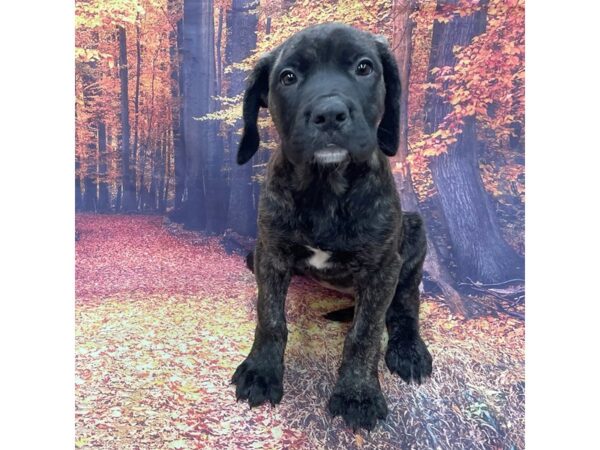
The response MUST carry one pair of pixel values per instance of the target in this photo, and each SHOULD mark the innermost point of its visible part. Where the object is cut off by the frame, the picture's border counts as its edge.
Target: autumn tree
(90, 93)
(402, 45)
(125, 163)
(478, 247)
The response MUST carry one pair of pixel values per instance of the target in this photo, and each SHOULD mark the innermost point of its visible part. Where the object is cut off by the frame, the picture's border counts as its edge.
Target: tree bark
(136, 100)
(78, 194)
(103, 194)
(177, 114)
(478, 247)
(219, 58)
(90, 195)
(197, 16)
(90, 96)
(402, 45)
(128, 183)
(213, 149)
(154, 168)
(150, 141)
(118, 198)
(165, 193)
(160, 173)
(241, 24)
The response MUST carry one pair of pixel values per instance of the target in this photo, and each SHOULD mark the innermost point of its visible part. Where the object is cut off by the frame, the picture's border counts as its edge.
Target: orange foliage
(97, 76)
(486, 82)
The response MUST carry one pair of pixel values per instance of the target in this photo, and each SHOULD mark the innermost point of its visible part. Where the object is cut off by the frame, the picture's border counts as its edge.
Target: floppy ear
(257, 89)
(388, 133)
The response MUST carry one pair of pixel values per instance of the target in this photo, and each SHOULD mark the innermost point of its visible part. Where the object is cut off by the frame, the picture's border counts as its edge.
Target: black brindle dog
(329, 209)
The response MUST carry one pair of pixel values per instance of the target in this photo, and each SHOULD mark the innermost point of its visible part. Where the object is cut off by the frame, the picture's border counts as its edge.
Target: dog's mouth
(332, 154)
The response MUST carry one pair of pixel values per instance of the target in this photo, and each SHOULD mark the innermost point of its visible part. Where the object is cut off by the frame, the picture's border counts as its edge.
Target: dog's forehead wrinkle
(322, 44)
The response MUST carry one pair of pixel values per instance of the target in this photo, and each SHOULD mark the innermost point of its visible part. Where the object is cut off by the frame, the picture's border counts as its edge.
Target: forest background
(158, 105)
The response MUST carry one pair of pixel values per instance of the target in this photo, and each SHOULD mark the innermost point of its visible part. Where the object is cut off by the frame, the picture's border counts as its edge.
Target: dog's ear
(388, 133)
(257, 90)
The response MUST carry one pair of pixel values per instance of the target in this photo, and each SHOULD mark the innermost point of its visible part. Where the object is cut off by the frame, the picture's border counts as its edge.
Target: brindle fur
(349, 209)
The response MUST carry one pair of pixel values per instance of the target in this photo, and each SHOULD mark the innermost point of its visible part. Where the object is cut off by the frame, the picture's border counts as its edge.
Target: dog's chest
(329, 268)
(319, 259)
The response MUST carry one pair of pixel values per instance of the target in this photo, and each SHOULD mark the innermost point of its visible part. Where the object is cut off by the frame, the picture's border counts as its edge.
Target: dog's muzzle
(332, 154)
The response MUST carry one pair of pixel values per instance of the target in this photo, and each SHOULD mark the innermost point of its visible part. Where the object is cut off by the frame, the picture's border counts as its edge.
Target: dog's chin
(331, 155)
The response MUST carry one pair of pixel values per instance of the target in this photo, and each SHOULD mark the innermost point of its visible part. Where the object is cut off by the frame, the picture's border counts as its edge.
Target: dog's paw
(258, 382)
(409, 359)
(360, 404)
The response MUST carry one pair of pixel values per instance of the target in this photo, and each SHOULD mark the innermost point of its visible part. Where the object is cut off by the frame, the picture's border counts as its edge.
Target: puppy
(329, 209)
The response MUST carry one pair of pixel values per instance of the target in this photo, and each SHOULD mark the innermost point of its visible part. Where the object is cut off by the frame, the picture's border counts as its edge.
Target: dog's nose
(330, 113)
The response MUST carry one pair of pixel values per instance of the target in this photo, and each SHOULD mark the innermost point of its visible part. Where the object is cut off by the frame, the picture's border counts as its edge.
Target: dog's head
(333, 93)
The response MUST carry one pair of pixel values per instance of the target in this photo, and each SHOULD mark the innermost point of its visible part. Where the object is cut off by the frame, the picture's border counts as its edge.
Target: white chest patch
(319, 259)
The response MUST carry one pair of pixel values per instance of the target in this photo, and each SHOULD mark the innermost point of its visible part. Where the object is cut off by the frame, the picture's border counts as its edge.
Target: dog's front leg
(357, 396)
(260, 377)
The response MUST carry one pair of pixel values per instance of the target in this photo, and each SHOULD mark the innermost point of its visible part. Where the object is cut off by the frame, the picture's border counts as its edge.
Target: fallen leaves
(154, 357)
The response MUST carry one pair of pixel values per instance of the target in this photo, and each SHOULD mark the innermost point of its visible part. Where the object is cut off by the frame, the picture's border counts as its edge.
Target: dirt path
(163, 320)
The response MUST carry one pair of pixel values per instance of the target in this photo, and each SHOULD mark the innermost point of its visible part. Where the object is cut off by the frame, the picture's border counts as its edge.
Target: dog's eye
(364, 68)
(287, 77)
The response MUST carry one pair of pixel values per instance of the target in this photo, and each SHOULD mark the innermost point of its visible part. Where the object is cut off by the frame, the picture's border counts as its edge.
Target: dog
(329, 209)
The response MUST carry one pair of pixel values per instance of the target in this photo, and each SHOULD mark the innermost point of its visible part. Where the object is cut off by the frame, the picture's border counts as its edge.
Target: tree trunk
(402, 45)
(160, 173)
(78, 195)
(176, 54)
(219, 59)
(478, 247)
(241, 25)
(136, 100)
(197, 47)
(165, 194)
(90, 94)
(90, 195)
(110, 137)
(128, 183)
(142, 185)
(151, 201)
(103, 194)
(146, 148)
(213, 149)
(118, 198)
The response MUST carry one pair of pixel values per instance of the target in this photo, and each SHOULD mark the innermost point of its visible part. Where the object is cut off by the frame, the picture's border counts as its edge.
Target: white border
(562, 173)
(36, 320)
(37, 225)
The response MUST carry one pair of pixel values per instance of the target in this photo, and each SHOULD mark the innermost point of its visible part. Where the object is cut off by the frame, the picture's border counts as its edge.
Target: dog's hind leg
(407, 354)
(250, 261)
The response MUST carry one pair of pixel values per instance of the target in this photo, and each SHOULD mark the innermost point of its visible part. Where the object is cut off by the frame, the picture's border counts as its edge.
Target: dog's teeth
(331, 154)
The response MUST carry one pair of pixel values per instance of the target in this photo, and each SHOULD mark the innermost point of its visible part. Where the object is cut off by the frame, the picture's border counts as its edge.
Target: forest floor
(164, 318)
